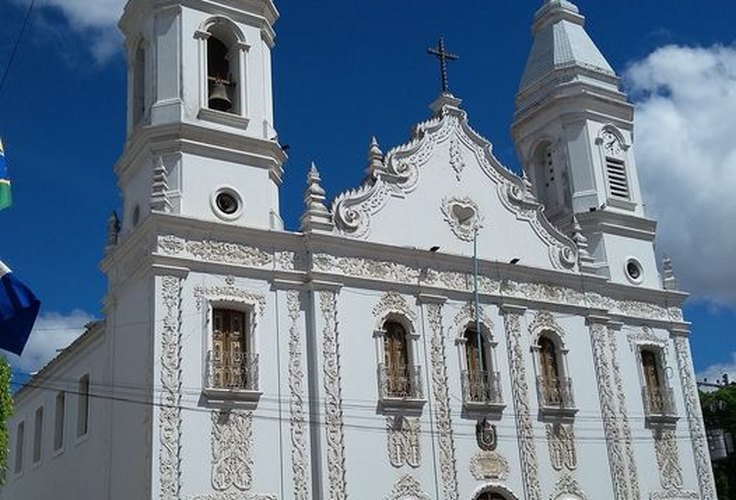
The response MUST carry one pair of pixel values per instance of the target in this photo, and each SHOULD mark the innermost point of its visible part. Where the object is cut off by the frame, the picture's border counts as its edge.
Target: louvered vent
(617, 181)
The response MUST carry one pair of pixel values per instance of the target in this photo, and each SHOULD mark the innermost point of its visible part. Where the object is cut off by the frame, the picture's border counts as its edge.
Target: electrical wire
(14, 51)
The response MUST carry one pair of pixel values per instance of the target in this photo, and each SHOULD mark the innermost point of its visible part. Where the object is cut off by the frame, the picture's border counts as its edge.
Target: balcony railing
(555, 394)
(400, 383)
(232, 372)
(659, 402)
(481, 388)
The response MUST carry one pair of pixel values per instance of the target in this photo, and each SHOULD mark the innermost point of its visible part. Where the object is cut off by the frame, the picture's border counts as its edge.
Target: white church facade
(446, 330)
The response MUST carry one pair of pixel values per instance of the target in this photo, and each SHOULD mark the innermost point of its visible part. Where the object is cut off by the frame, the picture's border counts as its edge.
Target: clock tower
(573, 129)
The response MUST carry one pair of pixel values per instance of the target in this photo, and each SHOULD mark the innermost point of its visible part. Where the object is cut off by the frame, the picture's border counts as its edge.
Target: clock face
(611, 144)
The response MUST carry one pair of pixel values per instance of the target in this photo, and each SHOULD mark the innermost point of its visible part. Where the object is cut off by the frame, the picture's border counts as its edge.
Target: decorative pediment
(392, 303)
(408, 488)
(448, 140)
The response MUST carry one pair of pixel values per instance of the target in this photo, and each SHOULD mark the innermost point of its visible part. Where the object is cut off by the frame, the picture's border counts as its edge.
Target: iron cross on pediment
(443, 56)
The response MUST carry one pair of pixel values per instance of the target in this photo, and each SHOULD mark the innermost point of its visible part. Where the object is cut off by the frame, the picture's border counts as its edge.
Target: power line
(17, 44)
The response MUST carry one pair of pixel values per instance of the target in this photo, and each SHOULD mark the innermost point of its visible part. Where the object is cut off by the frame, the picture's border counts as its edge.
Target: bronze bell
(219, 99)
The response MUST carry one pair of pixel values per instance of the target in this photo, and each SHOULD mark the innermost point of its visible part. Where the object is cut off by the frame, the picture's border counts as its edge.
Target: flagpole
(477, 301)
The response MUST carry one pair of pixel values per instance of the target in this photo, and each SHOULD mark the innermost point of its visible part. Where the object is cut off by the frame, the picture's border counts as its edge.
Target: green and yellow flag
(5, 199)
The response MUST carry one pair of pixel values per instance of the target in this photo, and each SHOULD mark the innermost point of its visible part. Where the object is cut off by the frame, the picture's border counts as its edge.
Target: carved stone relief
(628, 440)
(520, 390)
(463, 216)
(366, 268)
(407, 488)
(299, 454)
(333, 398)
(599, 340)
(668, 458)
(403, 441)
(695, 419)
(232, 445)
(456, 158)
(215, 251)
(234, 496)
(561, 441)
(489, 465)
(466, 316)
(170, 407)
(229, 293)
(393, 302)
(647, 337)
(448, 466)
(567, 485)
(544, 321)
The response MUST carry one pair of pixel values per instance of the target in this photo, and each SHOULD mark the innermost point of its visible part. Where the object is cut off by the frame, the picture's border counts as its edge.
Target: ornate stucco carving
(695, 419)
(488, 465)
(366, 268)
(170, 407)
(463, 216)
(232, 445)
(616, 460)
(647, 337)
(544, 321)
(333, 398)
(561, 442)
(675, 495)
(628, 440)
(520, 391)
(234, 496)
(214, 251)
(401, 174)
(299, 454)
(466, 316)
(408, 488)
(456, 158)
(393, 303)
(403, 441)
(229, 293)
(567, 485)
(448, 465)
(668, 458)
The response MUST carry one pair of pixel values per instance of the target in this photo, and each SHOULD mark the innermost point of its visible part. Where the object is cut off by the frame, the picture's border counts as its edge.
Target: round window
(227, 203)
(634, 271)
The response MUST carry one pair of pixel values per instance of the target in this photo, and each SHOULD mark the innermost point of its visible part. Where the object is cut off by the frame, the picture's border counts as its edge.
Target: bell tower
(201, 139)
(573, 130)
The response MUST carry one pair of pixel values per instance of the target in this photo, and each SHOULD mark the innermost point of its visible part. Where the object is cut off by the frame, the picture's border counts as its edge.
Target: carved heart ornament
(463, 217)
(463, 214)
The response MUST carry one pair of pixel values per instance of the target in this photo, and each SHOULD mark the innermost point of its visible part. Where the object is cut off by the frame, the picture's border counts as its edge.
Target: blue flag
(18, 311)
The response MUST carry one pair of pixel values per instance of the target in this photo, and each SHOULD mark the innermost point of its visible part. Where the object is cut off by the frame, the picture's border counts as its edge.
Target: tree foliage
(6, 410)
(719, 412)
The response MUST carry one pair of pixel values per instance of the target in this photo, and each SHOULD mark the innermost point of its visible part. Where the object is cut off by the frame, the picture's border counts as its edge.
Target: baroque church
(516, 341)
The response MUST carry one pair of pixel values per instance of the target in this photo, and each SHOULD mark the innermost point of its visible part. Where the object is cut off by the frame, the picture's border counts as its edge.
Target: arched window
(221, 83)
(658, 398)
(232, 365)
(489, 495)
(554, 388)
(138, 100)
(481, 384)
(396, 360)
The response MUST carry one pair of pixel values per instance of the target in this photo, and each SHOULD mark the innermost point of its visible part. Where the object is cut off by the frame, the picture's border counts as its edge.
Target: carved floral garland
(623, 412)
(520, 390)
(299, 461)
(215, 251)
(403, 441)
(695, 419)
(599, 337)
(232, 445)
(333, 398)
(408, 488)
(561, 442)
(170, 411)
(448, 467)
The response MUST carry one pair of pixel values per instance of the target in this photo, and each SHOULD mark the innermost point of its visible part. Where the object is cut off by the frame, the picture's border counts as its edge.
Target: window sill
(558, 411)
(223, 118)
(215, 395)
(662, 419)
(82, 439)
(484, 406)
(401, 403)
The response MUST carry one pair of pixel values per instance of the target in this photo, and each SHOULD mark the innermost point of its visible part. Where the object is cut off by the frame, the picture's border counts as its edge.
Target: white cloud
(51, 333)
(714, 373)
(96, 20)
(686, 154)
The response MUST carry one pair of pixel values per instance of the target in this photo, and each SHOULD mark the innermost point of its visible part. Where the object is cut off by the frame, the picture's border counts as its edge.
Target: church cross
(443, 56)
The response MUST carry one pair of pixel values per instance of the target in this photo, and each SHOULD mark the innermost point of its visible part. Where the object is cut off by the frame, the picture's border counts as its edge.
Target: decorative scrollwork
(232, 444)
(403, 441)
(299, 454)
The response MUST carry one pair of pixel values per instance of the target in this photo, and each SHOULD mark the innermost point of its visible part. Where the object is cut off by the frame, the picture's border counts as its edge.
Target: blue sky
(343, 71)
